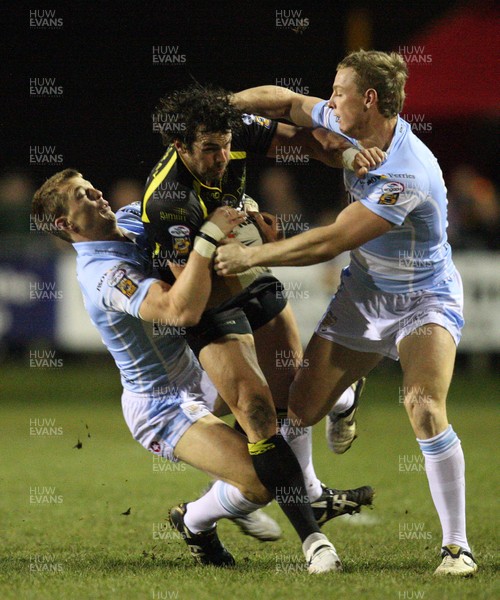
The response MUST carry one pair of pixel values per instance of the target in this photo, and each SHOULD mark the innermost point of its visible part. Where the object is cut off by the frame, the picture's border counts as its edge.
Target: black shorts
(255, 306)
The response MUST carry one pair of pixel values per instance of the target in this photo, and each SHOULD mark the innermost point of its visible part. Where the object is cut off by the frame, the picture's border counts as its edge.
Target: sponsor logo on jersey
(262, 121)
(373, 179)
(181, 242)
(181, 245)
(118, 279)
(126, 286)
(388, 199)
(393, 187)
(115, 276)
(100, 282)
(401, 175)
(174, 214)
(179, 231)
(248, 119)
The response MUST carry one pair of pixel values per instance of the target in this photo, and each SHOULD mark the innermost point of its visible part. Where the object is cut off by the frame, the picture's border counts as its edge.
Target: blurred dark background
(102, 58)
(80, 83)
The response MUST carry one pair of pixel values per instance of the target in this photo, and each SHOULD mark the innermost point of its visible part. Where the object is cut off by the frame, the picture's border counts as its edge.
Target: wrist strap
(348, 158)
(207, 237)
(212, 230)
(204, 247)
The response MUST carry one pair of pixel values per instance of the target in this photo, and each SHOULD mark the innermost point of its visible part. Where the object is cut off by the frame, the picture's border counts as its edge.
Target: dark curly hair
(182, 113)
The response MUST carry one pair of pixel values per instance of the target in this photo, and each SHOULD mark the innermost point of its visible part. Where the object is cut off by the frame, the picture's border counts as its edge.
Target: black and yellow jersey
(176, 202)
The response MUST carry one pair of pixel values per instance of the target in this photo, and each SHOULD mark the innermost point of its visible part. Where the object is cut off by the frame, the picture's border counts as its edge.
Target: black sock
(279, 471)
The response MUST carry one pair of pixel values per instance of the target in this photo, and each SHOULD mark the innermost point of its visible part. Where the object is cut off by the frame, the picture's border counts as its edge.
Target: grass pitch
(83, 506)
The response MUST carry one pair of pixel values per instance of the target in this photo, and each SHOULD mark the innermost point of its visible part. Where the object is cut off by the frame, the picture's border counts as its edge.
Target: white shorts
(158, 422)
(366, 320)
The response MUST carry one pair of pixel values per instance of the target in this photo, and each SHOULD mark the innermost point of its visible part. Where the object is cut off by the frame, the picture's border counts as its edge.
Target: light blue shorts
(158, 422)
(366, 320)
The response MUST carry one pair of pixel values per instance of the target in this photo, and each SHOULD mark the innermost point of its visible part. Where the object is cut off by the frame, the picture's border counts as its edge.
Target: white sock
(344, 402)
(445, 468)
(222, 500)
(300, 441)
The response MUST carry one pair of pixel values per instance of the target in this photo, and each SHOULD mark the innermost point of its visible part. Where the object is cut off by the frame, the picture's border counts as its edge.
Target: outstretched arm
(277, 103)
(354, 226)
(325, 146)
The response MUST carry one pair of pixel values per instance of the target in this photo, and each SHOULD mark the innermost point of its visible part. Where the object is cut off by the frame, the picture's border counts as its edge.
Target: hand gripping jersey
(153, 358)
(176, 202)
(407, 190)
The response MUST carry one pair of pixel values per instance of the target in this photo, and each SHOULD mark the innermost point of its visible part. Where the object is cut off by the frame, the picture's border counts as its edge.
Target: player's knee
(423, 405)
(419, 396)
(250, 391)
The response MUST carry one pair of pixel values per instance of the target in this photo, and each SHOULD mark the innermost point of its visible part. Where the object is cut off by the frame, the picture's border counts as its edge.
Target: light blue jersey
(153, 358)
(129, 218)
(408, 190)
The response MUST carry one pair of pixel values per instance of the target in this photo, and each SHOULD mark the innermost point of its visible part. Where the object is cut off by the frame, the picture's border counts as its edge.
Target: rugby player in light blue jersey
(167, 398)
(401, 295)
(164, 387)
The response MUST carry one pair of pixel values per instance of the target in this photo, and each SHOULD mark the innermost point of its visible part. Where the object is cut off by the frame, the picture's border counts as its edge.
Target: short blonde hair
(384, 72)
(50, 202)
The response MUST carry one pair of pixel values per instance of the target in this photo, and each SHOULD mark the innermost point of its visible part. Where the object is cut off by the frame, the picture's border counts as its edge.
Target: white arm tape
(348, 158)
(203, 247)
(213, 231)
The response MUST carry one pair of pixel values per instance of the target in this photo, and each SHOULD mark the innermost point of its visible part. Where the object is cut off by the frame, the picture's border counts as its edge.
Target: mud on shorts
(254, 307)
(367, 320)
